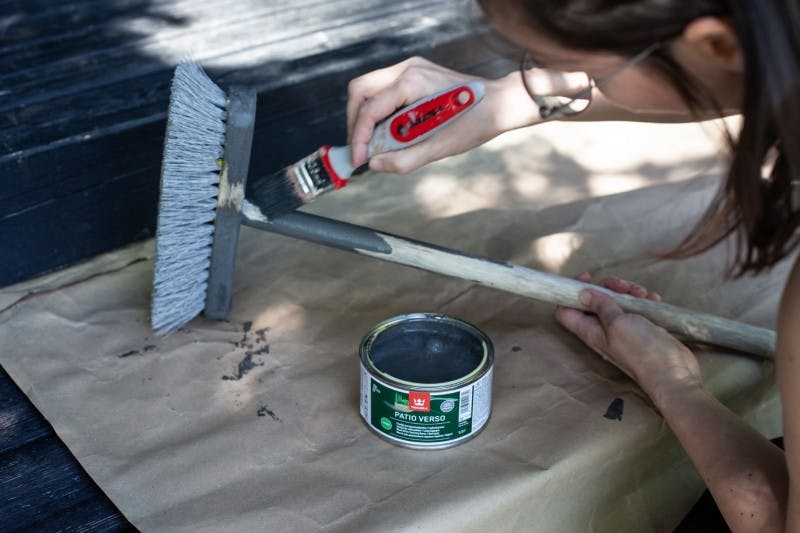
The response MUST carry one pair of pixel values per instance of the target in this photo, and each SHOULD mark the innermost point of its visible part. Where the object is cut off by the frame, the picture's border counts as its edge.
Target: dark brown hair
(761, 211)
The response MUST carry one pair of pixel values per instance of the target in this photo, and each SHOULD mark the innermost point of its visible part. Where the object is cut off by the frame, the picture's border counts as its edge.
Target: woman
(669, 61)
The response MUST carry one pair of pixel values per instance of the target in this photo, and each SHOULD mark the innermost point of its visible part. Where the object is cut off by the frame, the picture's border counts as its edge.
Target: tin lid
(427, 350)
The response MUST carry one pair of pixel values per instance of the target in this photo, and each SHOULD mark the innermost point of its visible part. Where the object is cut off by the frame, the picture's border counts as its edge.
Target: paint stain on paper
(246, 327)
(245, 365)
(254, 344)
(142, 351)
(614, 411)
(266, 411)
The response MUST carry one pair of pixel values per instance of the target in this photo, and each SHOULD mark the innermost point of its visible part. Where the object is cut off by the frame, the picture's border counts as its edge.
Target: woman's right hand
(376, 95)
(505, 106)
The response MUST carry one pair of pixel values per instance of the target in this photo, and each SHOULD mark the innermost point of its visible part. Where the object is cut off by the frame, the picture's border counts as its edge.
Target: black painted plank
(284, 30)
(38, 26)
(66, 203)
(42, 486)
(84, 87)
(20, 424)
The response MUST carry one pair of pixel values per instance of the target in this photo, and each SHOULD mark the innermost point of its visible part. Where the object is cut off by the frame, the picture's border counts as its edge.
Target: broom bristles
(187, 205)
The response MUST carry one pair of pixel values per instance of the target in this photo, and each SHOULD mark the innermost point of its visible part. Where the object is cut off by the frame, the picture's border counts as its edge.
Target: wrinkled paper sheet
(253, 423)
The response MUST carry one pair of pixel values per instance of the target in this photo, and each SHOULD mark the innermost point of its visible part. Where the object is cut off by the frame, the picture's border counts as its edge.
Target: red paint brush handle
(407, 127)
(418, 121)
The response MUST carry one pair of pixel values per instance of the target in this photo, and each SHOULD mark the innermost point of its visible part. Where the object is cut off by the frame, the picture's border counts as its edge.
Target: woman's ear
(714, 39)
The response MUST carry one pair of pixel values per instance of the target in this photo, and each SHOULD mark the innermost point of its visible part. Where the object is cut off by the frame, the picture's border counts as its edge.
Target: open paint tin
(426, 380)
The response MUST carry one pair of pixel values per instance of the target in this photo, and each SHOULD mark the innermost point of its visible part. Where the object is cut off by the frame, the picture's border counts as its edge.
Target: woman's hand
(376, 95)
(506, 106)
(646, 352)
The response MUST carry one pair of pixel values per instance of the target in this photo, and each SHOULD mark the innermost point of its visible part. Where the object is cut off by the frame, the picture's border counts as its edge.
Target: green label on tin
(420, 417)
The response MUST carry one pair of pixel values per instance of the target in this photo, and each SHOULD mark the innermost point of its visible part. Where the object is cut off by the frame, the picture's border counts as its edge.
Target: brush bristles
(292, 187)
(188, 202)
(277, 194)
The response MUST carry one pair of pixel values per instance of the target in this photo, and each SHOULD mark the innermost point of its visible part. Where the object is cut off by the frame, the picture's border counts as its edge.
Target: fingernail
(585, 297)
(377, 165)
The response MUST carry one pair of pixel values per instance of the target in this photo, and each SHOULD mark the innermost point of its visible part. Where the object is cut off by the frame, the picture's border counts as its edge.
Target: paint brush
(329, 168)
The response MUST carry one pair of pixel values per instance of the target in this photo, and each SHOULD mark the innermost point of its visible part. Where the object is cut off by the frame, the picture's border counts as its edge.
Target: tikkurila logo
(419, 401)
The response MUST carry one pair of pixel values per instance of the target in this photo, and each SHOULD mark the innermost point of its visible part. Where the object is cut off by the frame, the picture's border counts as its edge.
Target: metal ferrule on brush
(326, 169)
(308, 175)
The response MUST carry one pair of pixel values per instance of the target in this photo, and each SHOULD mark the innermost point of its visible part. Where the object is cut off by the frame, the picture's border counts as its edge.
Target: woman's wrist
(669, 391)
(510, 104)
(666, 371)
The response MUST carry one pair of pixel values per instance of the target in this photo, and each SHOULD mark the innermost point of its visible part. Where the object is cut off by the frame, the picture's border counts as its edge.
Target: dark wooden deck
(84, 87)
(42, 486)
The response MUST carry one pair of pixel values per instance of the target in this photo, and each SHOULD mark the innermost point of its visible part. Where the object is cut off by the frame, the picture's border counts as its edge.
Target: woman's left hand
(646, 352)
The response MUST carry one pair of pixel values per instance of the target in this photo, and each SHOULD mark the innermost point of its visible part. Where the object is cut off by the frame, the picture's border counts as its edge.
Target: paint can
(426, 380)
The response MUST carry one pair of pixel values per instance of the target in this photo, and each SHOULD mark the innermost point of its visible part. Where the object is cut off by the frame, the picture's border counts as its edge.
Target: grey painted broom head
(188, 202)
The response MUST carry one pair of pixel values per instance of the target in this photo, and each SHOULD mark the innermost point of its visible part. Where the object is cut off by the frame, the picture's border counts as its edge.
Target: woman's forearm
(744, 471)
(602, 109)
(514, 108)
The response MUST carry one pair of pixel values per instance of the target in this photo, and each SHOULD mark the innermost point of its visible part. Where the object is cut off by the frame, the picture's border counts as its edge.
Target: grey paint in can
(426, 380)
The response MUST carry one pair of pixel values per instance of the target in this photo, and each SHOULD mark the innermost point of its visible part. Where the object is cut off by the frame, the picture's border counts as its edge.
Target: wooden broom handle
(691, 325)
